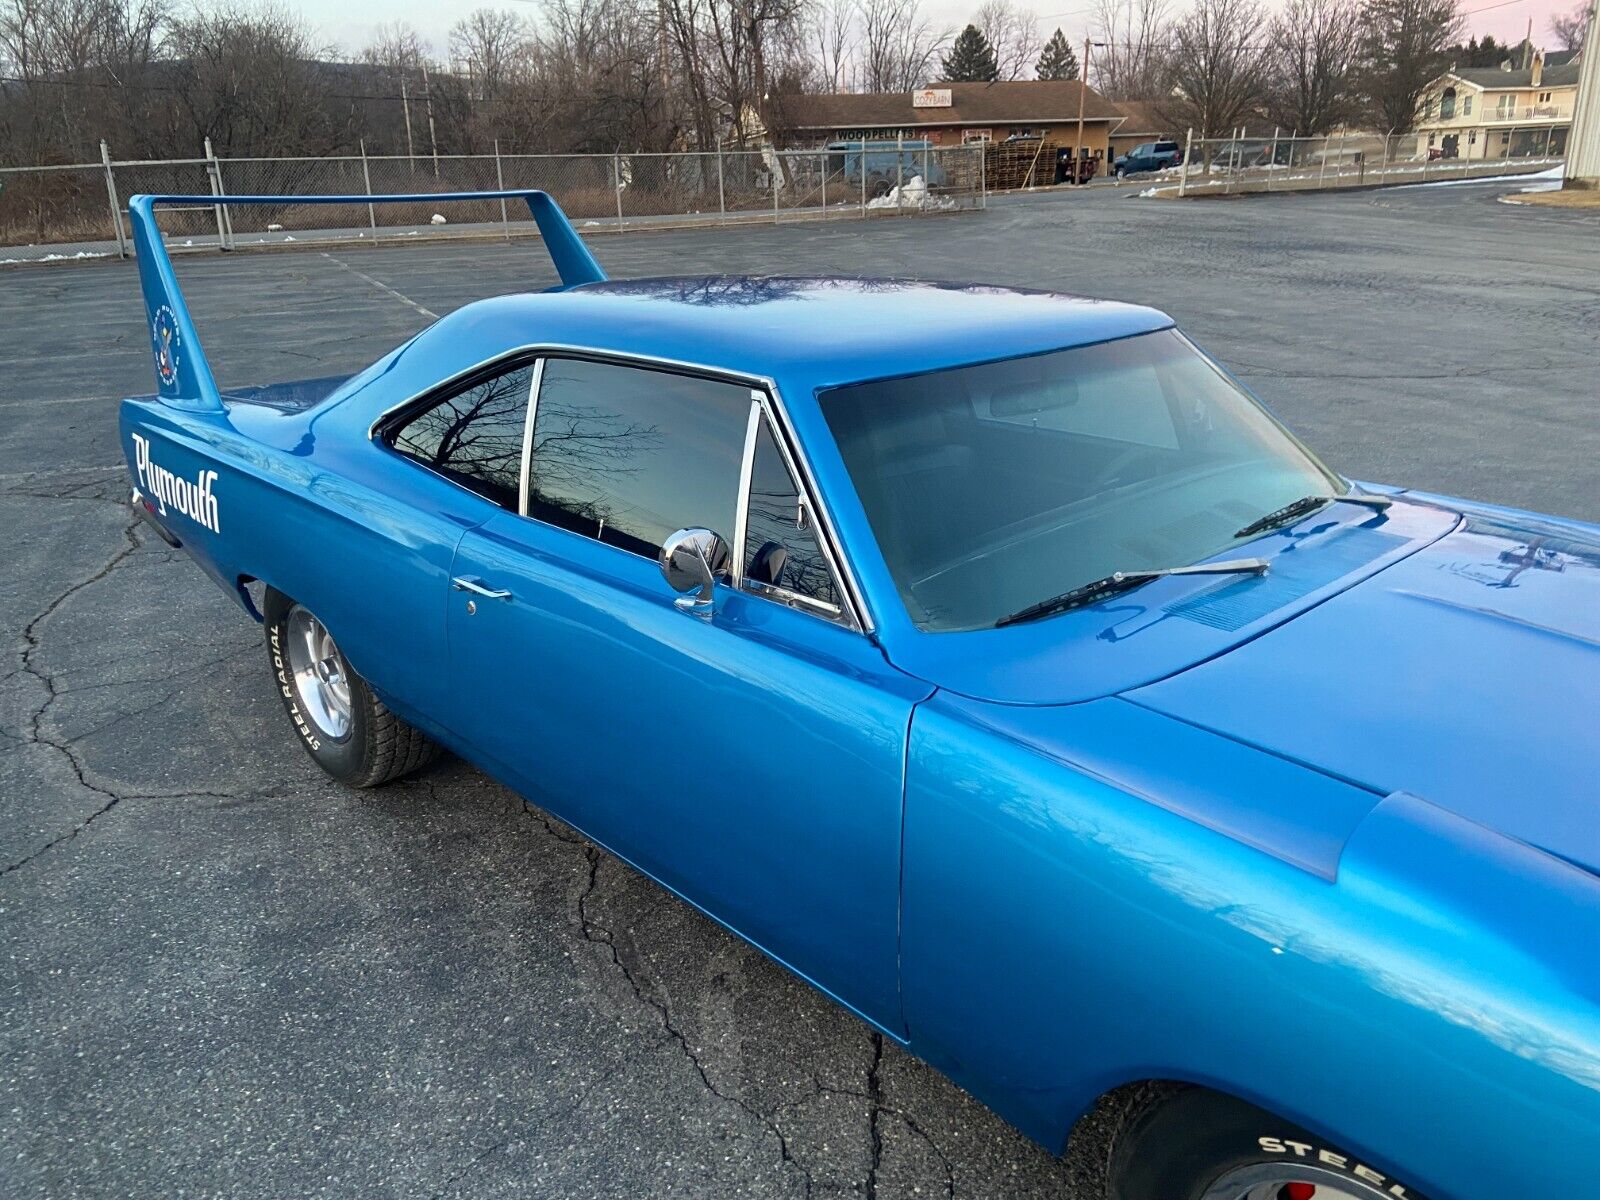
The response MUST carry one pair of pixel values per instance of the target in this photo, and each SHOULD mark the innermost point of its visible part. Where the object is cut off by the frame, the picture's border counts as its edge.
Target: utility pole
(433, 134)
(1583, 140)
(405, 104)
(1083, 86)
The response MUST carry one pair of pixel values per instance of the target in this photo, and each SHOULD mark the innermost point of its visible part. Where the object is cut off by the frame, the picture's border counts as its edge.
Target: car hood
(1467, 673)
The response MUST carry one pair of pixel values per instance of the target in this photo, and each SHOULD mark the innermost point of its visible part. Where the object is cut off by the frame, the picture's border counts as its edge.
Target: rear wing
(183, 377)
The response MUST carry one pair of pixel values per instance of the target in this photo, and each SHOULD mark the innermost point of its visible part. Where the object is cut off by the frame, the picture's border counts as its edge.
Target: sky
(355, 21)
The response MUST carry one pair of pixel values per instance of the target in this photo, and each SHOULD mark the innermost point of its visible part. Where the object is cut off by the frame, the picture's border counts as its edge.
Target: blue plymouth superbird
(991, 659)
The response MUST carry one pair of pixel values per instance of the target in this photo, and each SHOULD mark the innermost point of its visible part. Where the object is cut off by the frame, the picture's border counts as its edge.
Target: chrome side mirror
(691, 559)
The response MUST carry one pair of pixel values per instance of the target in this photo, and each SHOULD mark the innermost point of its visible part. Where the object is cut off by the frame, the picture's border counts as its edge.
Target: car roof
(818, 331)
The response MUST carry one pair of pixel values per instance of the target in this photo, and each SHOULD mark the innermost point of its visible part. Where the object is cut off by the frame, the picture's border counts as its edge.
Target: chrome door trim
(747, 467)
(527, 437)
(812, 496)
(772, 399)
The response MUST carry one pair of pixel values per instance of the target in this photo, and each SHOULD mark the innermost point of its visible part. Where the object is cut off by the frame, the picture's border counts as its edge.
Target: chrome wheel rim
(1291, 1181)
(321, 676)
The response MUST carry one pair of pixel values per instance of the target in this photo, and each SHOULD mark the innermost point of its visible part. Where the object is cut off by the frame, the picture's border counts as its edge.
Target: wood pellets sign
(930, 98)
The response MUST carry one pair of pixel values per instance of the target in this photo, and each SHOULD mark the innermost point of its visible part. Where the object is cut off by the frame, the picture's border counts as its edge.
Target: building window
(971, 137)
(1431, 138)
(1544, 97)
(1447, 104)
(1472, 138)
(1505, 138)
(1466, 105)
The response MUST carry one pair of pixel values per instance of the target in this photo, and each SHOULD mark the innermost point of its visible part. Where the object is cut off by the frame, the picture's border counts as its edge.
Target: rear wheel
(1201, 1145)
(346, 729)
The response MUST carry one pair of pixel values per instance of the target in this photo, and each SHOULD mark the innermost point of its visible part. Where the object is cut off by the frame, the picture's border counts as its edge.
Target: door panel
(751, 761)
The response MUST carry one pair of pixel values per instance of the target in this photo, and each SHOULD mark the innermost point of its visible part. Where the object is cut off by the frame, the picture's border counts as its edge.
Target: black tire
(1188, 1143)
(374, 746)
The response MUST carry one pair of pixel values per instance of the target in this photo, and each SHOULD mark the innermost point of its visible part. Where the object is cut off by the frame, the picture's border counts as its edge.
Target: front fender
(1073, 922)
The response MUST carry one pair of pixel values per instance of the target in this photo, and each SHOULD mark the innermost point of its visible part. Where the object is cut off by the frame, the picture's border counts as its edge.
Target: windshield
(990, 488)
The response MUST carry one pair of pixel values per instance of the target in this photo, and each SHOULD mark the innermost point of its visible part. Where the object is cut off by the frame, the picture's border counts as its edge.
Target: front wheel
(346, 729)
(1200, 1145)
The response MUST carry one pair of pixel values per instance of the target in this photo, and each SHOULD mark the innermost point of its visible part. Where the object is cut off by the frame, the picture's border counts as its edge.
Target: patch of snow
(913, 193)
(288, 237)
(58, 257)
(1554, 173)
(437, 219)
(1149, 191)
(274, 228)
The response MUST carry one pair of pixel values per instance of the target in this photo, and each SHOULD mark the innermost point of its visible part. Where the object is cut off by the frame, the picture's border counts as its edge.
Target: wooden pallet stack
(1019, 164)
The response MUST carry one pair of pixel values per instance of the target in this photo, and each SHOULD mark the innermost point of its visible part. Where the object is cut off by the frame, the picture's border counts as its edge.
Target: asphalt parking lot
(222, 975)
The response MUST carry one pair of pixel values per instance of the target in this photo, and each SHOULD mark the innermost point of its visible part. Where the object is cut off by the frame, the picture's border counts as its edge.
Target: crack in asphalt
(467, 1170)
(600, 935)
(874, 1114)
(36, 730)
(874, 1097)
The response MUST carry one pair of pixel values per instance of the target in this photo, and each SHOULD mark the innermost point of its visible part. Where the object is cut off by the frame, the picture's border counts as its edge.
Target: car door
(750, 758)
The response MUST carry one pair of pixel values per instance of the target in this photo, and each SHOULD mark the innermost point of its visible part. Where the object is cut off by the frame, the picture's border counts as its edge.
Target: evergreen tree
(971, 58)
(1057, 61)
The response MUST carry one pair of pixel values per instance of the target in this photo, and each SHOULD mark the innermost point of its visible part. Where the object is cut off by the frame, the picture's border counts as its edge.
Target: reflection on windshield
(990, 488)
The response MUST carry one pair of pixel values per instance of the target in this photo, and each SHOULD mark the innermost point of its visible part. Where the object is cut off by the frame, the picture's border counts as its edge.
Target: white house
(1499, 112)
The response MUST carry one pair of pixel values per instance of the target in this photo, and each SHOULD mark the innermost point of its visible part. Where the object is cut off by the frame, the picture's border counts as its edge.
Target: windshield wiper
(1121, 581)
(1298, 508)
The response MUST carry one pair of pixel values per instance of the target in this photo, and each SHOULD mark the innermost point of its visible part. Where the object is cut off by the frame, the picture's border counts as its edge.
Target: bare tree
(1217, 71)
(1134, 39)
(1312, 59)
(1404, 46)
(246, 77)
(899, 48)
(833, 33)
(1014, 34)
(490, 45)
(1571, 28)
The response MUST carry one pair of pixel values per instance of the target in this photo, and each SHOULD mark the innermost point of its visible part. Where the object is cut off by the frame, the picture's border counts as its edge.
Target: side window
(628, 456)
(781, 548)
(475, 436)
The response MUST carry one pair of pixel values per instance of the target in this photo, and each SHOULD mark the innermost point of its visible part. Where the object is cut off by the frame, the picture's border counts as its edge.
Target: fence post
(1339, 167)
(1322, 169)
(214, 174)
(500, 185)
(111, 195)
(1272, 162)
(983, 174)
(900, 172)
(722, 198)
(777, 173)
(862, 164)
(1549, 136)
(826, 164)
(366, 178)
(1183, 169)
(616, 183)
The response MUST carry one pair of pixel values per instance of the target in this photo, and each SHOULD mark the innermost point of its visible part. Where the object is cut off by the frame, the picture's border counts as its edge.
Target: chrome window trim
(771, 400)
(527, 437)
(782, 595)
(747, 467)
(795, 600)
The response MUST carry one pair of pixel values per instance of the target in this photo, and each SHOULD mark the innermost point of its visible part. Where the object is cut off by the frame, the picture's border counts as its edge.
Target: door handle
(466, 583)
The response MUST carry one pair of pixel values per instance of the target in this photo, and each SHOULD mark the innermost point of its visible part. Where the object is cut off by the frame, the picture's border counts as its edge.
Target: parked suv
(1150, 156)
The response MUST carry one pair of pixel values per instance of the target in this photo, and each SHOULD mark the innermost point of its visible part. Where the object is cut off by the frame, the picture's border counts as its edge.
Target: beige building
(1498, 112)
(956, 114)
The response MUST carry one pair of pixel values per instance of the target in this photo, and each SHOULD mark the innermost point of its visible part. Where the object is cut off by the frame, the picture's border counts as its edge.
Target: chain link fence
(1243, 165)
(80, 211)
